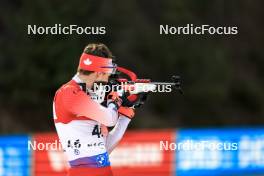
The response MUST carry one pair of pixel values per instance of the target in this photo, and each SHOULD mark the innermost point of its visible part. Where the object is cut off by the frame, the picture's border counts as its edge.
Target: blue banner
(15, 158)
(219, 151)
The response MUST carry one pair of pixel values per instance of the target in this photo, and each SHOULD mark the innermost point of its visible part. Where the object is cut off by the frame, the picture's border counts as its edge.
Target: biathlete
(80, 117)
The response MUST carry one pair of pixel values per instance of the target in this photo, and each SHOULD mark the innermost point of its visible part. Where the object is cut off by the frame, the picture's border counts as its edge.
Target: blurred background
(222, 74)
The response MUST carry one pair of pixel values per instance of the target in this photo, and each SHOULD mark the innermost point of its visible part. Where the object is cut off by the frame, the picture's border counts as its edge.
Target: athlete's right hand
(115, 98)
(129, 112)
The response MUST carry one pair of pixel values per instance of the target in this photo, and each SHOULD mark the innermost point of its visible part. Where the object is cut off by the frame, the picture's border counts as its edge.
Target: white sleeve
(114, 115)
(116, 134)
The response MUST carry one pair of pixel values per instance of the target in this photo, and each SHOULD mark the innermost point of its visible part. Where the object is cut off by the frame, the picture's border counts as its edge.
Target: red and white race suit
(78, 120)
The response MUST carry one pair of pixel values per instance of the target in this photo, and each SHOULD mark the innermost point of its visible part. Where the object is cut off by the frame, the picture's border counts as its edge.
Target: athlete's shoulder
(71, 85)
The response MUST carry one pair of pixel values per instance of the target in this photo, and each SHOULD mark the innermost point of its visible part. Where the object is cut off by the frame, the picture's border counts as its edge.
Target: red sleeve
(80, 104)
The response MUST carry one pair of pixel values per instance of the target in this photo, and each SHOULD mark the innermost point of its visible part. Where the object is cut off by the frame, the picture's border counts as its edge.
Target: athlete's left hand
(129, 112)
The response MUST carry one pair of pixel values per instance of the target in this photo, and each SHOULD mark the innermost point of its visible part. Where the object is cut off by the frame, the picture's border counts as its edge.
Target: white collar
(77, 79)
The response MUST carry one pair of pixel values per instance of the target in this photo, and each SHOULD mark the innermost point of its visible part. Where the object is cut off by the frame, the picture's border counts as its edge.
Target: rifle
(138, 89)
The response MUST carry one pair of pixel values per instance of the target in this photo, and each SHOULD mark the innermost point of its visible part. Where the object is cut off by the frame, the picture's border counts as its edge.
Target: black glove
(142, 97)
